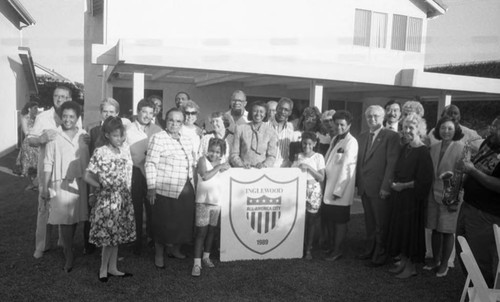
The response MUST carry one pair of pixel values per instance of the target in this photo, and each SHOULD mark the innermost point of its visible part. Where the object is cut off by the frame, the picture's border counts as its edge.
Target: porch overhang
(205, 66)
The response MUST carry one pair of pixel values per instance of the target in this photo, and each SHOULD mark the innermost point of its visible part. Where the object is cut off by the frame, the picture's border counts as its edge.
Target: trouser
(477, 227)
(376, 220)
(140, 201)
(42, 237)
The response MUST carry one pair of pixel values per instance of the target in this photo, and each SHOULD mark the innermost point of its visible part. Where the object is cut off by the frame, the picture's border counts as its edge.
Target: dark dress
(407, 224)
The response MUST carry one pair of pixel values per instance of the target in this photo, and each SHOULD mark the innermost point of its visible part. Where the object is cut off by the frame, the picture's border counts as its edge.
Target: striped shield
(263, 213)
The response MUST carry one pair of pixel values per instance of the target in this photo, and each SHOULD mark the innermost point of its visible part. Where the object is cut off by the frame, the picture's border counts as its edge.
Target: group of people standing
(169, 166)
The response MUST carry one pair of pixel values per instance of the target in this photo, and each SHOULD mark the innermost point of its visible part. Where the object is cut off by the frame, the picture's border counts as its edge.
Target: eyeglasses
(191, 113)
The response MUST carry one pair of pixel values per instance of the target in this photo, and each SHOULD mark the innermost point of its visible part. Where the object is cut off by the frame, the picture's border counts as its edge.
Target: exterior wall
(15, 92)
(93, 81)
(320, 30)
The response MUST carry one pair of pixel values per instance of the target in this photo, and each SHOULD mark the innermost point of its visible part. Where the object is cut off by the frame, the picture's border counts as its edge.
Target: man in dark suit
(378, 153)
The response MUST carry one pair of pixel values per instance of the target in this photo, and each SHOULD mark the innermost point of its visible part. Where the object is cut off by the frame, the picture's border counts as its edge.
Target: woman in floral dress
(112, 218)
(27, 159)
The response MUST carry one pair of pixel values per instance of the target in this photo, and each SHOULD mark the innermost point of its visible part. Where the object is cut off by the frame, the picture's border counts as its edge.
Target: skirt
(173, 218)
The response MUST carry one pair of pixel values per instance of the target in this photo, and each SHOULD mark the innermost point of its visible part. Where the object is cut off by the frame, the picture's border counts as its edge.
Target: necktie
(369, 144)
(370, 141)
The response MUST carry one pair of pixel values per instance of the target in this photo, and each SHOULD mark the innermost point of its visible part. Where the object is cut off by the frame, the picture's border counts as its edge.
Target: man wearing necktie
(379, 151)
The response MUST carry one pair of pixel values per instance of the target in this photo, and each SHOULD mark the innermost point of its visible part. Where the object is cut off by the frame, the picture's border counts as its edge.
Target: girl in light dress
(109, 175)
(314, 164)
(208, 193)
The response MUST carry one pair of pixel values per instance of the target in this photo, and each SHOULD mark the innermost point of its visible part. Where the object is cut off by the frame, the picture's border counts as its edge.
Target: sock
(197, 261)
(206, 255)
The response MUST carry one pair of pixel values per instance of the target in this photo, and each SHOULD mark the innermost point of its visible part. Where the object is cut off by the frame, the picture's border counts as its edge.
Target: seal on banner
(263, 212)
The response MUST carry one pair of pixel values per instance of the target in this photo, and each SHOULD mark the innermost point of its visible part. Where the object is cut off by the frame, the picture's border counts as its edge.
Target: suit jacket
(340, 171)
(375, 169)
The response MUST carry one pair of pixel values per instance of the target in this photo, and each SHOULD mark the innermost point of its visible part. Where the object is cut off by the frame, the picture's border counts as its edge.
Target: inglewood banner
(263, 214)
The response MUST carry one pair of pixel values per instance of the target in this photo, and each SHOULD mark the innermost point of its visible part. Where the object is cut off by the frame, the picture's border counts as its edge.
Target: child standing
(208, 193)
(112, 218)
(314, 164)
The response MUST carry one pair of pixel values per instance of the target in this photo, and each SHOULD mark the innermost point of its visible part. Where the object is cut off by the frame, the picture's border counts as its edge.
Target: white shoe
(207, 262)
(38, 254)
(196, 271)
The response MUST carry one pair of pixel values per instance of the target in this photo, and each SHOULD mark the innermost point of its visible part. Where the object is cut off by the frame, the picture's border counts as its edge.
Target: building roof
(22, 12)
(42, 70)
(29, 68)
(436, 8)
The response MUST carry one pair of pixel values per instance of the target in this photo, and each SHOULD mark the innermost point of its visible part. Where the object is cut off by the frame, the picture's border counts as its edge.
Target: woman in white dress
(66, 158)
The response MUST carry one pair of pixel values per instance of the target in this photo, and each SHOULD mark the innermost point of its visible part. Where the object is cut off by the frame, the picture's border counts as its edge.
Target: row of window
(370, 29)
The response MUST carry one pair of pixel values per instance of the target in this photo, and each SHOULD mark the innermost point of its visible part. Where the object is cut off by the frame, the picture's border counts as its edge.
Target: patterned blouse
(169, 164)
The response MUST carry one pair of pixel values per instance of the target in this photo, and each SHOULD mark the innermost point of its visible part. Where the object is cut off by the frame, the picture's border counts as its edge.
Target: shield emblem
(263, 212)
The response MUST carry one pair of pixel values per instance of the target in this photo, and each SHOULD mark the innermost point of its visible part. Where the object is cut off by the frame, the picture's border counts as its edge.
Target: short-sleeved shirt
(486, 160)
(138, 137)
(317, 162)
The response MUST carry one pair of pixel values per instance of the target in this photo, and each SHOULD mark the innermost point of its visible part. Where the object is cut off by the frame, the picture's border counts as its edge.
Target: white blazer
(341, 171)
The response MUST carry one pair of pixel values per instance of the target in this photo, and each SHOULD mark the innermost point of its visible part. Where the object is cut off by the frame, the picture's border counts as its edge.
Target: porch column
(443, 101)
(138, 89)
(316, 95)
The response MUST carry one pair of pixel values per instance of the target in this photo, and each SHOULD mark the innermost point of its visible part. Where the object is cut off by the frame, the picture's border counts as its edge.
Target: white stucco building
(330, 53)
(17, 73)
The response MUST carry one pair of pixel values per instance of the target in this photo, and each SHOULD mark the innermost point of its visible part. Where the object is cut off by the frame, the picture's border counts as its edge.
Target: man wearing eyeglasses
(138, 136)
(238, 115)
(378, 153)
(44, 131)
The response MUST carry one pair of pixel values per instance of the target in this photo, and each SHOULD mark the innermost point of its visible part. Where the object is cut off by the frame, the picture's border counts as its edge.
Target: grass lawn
(23, 278)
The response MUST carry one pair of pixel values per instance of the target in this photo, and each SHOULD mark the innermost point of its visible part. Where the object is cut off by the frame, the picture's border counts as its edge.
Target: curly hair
(28, 106)
(71, 105)
(413, 106)
(418, 121)
(218, 142)
(310, 112)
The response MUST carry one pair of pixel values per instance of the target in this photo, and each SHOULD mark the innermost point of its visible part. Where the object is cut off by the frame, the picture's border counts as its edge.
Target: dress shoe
(125, 275)
(38, 254)
(334, 257)
(431, 266)
(102, 279)
(443, 274)
(406, 275)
